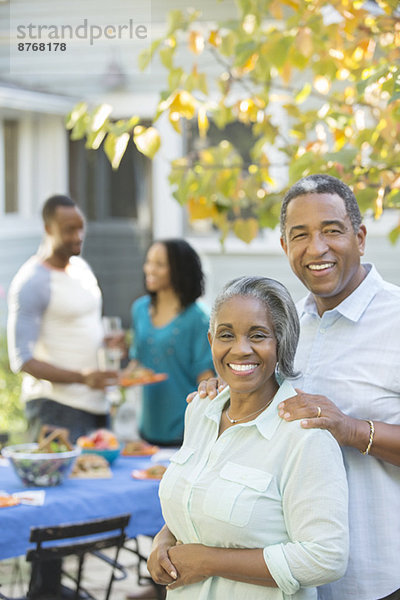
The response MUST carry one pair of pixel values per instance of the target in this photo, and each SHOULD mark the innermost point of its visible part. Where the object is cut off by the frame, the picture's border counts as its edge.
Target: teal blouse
(181, 350)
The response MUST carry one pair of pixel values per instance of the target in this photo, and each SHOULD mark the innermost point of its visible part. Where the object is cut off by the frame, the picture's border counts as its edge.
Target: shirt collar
(354, 305)
(266, 423)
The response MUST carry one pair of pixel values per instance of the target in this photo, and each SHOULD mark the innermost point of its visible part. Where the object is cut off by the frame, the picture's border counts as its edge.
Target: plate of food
(153, 472)
(141, 376)
(8, 500)
(139, 448)
(91, 466)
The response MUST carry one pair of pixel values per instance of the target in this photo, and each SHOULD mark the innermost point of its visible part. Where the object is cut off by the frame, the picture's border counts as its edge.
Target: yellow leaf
(214, 38)
(175, 120)
(303, 94)
(286, 72)
(147, 141)
(202, 121)
(199, 208)
(275, 9)
(184, 104)
(196, 42)
(246, 229)
(340, 139)
(250, 64)
(292, 3)
(304, 42)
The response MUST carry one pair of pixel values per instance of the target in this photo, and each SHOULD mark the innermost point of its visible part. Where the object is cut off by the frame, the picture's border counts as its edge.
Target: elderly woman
(255, 507)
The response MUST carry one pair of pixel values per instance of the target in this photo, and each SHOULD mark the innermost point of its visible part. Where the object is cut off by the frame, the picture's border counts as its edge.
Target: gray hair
(280, 307)
(322, 184)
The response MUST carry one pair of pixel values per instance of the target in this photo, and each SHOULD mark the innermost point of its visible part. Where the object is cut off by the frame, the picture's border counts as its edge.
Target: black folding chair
(89, 537)
(142, 579)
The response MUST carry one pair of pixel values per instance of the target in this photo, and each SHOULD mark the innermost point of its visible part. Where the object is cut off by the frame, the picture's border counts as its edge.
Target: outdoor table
(77, 500)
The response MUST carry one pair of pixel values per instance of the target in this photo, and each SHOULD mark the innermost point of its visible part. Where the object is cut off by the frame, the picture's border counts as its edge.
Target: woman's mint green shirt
(181, 350)
(264, 484)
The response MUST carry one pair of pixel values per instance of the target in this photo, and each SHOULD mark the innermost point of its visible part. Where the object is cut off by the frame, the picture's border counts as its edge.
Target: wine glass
(110, 353)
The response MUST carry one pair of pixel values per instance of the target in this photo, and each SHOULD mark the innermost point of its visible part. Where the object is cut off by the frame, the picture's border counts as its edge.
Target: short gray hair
(280, 307)
(322, 183)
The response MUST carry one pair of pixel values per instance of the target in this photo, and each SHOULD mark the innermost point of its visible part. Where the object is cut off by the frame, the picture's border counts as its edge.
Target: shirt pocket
(232, 495)
(178, 463)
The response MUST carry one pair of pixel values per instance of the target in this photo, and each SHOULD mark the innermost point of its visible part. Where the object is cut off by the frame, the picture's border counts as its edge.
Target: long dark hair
(187, 278)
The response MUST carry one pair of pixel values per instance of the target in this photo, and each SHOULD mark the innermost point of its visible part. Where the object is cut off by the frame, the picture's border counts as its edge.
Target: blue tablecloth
(79, 500)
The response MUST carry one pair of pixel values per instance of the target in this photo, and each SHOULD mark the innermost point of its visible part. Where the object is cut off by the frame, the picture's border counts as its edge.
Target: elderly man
(349, 351)
(55, 328)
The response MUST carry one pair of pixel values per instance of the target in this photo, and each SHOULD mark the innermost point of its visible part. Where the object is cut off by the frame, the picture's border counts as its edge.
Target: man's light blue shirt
(352, 355)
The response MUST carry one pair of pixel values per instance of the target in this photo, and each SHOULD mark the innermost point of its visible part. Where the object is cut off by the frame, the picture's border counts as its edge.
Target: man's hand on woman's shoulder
(208, 388)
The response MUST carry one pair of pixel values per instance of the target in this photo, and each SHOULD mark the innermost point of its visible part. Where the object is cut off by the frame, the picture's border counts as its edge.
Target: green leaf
(80, 128)
(123, 126)
(393, 199)
(394, 235)
(94, 139)
(115, 147)
(246, 229)
(202, 83)
(301, 166)
(175, 20)
(222, 116)
(99, 117)
(366, 198)
(228, 42)
(166, 56)
(326, 67)
(75, 115)
(345, 156)
(243, 51)
(364, 83)
(279, 51)
(175, 78)
(146, 55)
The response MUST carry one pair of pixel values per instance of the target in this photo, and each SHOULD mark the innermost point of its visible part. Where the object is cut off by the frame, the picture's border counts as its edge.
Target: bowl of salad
(38, 468)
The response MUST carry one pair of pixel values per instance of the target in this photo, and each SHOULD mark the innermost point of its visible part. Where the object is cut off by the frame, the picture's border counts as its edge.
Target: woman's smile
(242, 369)
(244, 349)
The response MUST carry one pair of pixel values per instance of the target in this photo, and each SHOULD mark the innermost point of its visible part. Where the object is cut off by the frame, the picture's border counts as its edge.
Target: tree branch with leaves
(316, 84)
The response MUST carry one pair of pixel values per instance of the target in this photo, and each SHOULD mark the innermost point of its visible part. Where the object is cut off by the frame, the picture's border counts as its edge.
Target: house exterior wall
(116, 249)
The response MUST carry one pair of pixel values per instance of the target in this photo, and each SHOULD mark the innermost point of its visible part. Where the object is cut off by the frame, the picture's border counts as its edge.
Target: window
(104, 193)
(10, 129)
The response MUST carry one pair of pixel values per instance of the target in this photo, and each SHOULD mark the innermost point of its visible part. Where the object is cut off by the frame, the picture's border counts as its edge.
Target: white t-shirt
(54, 316)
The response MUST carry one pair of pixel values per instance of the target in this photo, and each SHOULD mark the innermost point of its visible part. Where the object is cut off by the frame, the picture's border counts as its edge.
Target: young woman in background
(170, 336)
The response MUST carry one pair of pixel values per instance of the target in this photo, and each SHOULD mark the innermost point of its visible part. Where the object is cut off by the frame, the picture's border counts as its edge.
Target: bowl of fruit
(102, 442)
(45, 463)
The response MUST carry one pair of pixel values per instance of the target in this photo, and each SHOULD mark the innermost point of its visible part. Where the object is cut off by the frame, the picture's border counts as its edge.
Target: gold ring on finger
(319, 412)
